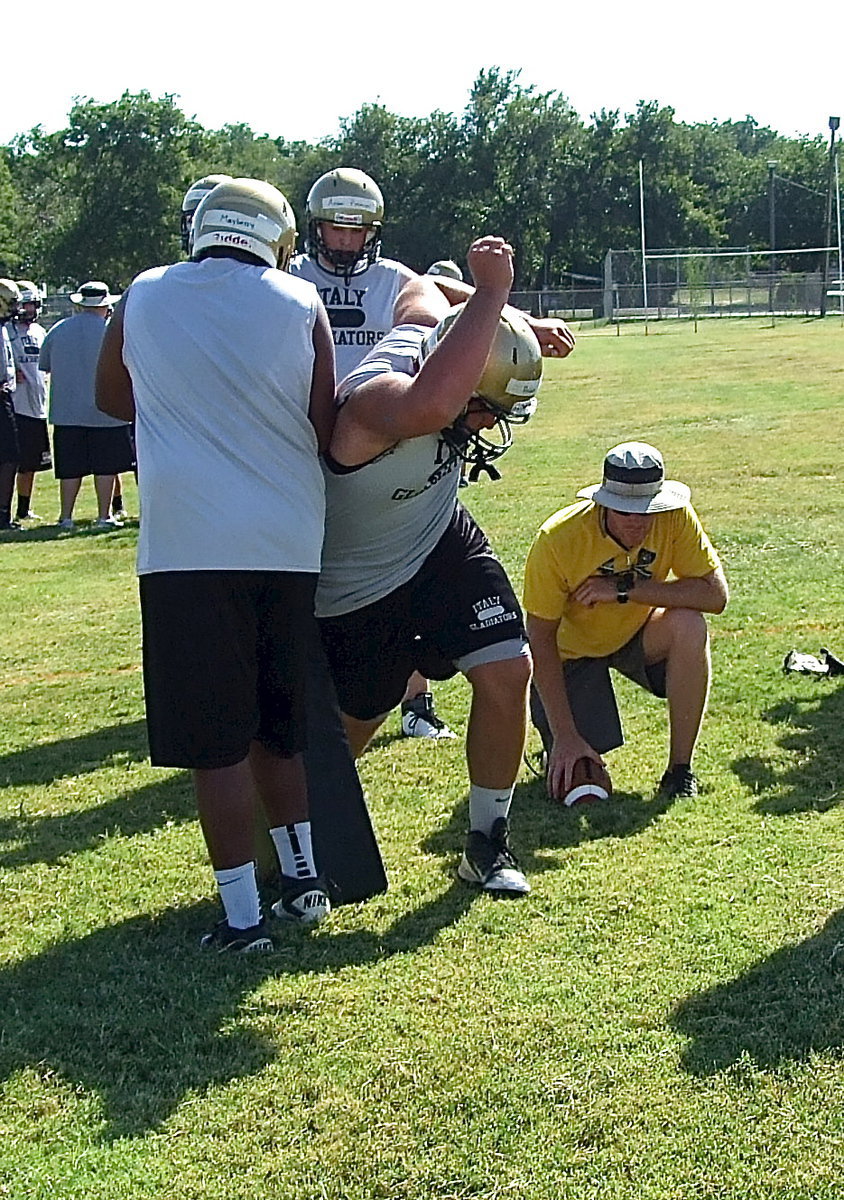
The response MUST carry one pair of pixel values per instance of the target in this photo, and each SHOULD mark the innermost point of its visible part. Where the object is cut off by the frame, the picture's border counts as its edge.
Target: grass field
(662, 1018)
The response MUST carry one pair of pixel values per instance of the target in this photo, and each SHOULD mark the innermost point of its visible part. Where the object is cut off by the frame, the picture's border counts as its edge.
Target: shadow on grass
(48, 837)
(784, 1008)
(814, 731)
(81, 755)
(134, 1012)
(538, 823)
(52, 533)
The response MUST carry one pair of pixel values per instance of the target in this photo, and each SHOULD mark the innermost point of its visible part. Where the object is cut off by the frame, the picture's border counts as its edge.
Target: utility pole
(834, 122)
(772, 230)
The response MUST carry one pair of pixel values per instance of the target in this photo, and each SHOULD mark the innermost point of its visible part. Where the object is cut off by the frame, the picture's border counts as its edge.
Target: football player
(30, 398)
(409, 581)
(9, 448)
(190, 203)
(359, 288)
(228, 363)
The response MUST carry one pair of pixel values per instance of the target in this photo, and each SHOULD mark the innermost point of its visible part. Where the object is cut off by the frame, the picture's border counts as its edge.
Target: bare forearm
(708, 594)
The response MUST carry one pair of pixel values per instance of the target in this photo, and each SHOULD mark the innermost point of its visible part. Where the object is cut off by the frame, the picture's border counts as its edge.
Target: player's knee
(505, 681)
(689, 631)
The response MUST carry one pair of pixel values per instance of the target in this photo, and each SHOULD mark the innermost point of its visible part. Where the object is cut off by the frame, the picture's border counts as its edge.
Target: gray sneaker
(489, 862)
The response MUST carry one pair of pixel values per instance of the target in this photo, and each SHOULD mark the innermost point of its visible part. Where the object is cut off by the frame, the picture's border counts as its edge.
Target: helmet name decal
(259, 224)
(364, 203)
(522, 387)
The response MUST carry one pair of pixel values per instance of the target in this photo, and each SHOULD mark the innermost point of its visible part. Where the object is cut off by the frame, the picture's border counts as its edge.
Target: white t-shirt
(30, 395)
(360, 312)
(221, 359)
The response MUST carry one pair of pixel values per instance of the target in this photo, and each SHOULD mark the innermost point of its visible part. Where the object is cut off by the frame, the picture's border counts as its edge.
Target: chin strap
(478, 466)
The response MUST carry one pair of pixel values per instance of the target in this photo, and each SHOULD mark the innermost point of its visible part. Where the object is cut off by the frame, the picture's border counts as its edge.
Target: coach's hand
(555, 338)
(597, 589)
(561, 761)
(490, 259)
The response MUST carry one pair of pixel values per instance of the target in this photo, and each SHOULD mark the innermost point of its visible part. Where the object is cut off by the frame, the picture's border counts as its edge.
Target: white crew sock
(486, 805)
(239, 893)
(294, 849)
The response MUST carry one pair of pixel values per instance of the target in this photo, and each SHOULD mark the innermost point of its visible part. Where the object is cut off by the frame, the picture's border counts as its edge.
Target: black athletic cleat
(834, 666)
(419, 720)
(305, 901)
(225, 940)
(679, 780)
(490, 863)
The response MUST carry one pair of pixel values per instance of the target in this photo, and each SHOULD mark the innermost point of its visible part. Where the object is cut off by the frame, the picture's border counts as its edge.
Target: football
(589, 781)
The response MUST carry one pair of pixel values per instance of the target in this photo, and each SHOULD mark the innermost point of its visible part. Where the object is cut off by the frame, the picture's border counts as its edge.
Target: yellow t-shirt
(574, 544)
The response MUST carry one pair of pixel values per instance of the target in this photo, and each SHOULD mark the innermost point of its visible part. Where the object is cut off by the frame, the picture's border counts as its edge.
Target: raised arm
(393, 406)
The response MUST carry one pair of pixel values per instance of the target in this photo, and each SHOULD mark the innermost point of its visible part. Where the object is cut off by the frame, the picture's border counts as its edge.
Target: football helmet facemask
(246, 214)
(9, 299)
(507, 389)
(191, 201)
(349, 199)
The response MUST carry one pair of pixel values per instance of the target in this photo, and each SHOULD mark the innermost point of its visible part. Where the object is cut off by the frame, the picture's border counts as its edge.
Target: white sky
(250, 63)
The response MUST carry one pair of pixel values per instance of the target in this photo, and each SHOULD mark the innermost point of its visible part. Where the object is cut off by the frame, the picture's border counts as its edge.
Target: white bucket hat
(634, 482)
(93, 294)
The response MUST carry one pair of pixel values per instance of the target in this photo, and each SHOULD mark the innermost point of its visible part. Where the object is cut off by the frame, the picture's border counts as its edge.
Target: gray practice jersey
(361, 311)
(384, 518)
(31, 393)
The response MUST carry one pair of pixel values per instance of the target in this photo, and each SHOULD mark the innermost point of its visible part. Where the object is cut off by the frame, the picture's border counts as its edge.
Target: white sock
(294, 849)
(239, 893)
(486, 805)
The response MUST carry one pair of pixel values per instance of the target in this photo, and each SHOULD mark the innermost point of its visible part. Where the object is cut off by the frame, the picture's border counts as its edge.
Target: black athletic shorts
(81, 450)
(9, 441)
(458, 611)
(34, 444)
(591, 694)
(225, 656)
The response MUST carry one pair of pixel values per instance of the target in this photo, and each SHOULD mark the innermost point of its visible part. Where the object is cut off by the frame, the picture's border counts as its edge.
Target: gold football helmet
(507, 388)
(446, 267)
(9, 298)
(348, 198)
(246, 214)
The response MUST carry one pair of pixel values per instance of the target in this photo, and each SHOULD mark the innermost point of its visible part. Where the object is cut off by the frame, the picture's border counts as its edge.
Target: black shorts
(81, 450)
(458, 611)
(591, 694)
(225, 656)
(9, 441)
(34, 444)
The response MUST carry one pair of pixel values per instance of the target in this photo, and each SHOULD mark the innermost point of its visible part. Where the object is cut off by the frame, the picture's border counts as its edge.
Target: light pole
(772, 211)
(834, 122)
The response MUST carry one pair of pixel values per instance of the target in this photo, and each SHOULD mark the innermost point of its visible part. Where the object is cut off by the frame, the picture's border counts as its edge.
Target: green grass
(661, 1018)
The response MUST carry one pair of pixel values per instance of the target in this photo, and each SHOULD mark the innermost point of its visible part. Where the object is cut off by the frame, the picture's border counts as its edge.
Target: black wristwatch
(624, 586)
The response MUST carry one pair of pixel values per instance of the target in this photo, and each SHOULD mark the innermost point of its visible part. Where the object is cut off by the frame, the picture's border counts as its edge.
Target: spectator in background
(85, 440)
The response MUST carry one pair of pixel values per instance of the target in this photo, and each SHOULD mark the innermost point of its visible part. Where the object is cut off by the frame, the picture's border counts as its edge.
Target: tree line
(101, 198)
